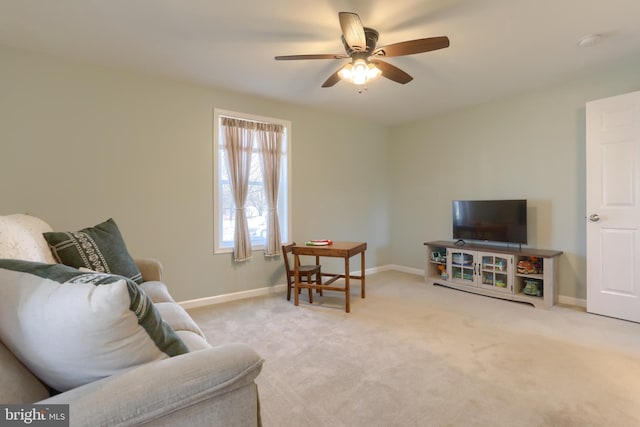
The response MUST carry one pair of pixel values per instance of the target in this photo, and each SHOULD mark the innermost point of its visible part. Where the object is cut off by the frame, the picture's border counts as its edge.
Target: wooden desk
(338, 250)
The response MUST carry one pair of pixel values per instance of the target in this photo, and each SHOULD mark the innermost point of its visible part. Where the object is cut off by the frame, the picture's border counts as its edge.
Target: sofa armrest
(150, 268)
(214, 386)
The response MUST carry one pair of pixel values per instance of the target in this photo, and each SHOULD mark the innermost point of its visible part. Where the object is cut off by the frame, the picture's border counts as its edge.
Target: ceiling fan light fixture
(359, 72)
(373, 71)
(360, 45)
(345, 72)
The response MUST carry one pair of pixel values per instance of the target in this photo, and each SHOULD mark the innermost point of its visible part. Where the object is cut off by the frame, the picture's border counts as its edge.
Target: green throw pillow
(100, 248)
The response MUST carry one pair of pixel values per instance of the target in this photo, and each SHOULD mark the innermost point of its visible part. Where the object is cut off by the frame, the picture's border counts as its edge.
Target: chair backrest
(286, 250)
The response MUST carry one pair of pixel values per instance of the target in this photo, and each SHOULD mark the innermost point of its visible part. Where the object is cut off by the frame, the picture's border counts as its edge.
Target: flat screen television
(502, 221)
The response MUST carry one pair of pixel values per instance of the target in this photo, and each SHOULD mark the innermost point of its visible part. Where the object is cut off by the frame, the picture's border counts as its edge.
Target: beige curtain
(239, 146)
(269, 138)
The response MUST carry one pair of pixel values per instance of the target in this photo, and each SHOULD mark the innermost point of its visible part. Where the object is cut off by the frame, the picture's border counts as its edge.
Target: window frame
(285, 217)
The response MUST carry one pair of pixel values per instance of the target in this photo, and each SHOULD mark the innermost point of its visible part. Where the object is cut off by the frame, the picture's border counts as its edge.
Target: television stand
(516, 274)
(461, 242)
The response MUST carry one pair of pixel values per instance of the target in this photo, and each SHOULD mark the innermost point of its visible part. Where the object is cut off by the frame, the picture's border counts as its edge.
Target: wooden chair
(304, 270)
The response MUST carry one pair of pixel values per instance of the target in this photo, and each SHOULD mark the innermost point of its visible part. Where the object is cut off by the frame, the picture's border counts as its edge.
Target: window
(256, 206)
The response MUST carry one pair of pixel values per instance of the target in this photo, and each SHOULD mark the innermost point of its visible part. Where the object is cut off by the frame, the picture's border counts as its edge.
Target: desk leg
(347, 292)
(362, 274)
(296, 278)
(318, 277)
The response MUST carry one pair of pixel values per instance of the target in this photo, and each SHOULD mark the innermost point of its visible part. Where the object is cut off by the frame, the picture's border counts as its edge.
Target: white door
(613, 206)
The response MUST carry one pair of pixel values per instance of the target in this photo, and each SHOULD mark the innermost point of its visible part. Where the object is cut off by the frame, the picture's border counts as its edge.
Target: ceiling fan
(360, 45)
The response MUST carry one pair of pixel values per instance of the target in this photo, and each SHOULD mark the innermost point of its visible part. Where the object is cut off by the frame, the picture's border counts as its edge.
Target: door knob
(594, 218)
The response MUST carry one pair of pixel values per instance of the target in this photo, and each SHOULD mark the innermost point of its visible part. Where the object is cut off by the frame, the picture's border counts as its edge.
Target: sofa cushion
(70, 327)
(157, 291)
(176, 316)
(17, 384)
(183, 324)
(100, 248)
(21, 238)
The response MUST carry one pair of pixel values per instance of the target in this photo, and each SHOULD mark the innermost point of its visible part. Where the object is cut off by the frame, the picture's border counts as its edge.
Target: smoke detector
(590, 40)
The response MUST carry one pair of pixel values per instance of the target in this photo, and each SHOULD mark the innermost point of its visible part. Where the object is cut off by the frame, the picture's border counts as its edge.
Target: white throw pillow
(71, 327)
(21, 238)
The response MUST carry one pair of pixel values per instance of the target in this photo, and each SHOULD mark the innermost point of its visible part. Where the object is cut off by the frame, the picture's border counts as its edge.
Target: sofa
(109, 379)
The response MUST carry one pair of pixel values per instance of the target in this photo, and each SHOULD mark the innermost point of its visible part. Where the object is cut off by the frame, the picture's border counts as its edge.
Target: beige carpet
(416, 355)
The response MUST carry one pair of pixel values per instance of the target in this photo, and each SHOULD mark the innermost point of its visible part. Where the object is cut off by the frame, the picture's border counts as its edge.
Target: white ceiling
(498, 47)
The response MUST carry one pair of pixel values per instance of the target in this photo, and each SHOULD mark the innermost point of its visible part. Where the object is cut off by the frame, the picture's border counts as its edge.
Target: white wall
(80, 143)
(529, 146)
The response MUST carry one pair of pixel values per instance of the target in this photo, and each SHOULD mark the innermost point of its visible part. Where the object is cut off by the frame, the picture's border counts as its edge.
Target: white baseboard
(270, 290)
(416, 271)
(218, 299)
(578, 302)
(393, 267)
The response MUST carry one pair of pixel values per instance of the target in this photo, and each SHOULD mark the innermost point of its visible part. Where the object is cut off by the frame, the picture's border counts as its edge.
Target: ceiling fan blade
(411, 47)
(353, 31)
(332, 80)
(392, 72)
(318, 56)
